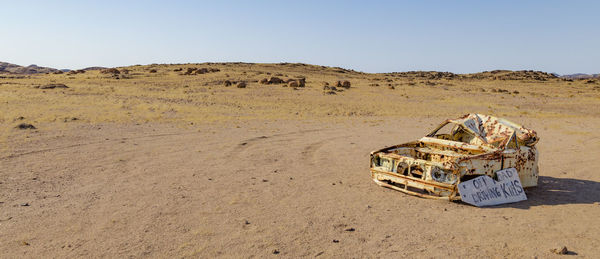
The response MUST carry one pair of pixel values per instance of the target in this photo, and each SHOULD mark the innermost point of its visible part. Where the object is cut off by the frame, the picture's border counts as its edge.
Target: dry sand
(289, 179)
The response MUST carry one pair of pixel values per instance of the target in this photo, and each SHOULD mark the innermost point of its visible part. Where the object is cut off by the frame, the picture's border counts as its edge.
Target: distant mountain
(494, 75)
(31, 69)
(580, 76)
(512, 75)
(94, 68)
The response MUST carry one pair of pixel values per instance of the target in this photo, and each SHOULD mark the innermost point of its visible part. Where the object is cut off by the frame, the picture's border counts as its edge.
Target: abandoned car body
(458, 150)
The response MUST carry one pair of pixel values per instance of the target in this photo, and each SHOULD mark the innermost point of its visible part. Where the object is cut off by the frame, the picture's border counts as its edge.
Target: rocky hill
(31, 69)
(528, 75)
(581, 76)
(512, 75)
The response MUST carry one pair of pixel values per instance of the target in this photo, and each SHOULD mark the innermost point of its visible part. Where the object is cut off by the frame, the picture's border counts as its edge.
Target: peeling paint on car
(476, 145)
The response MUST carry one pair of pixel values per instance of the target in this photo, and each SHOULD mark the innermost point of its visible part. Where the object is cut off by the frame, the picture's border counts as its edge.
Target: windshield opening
(455, 132)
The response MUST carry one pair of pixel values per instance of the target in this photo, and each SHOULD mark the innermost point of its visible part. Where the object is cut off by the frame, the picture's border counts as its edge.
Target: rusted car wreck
(457, 151)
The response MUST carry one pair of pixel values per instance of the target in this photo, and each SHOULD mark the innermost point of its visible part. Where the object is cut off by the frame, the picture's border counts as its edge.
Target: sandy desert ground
(160, 164)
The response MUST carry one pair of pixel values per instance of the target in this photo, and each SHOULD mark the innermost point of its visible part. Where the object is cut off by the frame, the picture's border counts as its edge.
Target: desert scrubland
(271, 160)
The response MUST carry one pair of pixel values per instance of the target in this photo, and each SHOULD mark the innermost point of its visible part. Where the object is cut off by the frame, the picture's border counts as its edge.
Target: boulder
(562, 250)
(190, 70)
(346, 84)
(52, 86)
(25, 126)
(275, 80)
(301, 82)
(110, 71)
(241, 85)
(202, 71)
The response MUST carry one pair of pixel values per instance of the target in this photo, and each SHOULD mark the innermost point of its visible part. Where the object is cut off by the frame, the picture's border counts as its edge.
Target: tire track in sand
(93, 143)
(309, 152)
(247, 144)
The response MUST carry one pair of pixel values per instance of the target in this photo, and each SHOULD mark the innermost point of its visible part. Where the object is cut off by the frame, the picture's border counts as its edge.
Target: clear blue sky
(371, 36)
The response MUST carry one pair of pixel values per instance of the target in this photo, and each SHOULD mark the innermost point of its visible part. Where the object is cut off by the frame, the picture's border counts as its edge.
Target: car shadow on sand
(558, 191)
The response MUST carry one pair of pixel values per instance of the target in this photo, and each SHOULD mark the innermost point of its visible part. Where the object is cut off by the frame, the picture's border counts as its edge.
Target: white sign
(485, 191)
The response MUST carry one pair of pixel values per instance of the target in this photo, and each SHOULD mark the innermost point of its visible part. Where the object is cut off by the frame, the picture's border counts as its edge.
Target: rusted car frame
(475, 145)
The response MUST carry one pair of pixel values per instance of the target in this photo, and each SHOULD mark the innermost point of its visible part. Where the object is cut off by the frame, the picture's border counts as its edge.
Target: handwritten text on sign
(485, 191)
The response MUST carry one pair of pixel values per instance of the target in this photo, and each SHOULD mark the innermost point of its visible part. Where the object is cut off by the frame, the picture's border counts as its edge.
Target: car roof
(492, 129)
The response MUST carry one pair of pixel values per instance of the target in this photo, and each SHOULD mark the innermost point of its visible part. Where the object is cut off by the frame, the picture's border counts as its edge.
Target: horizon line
(276, 63)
